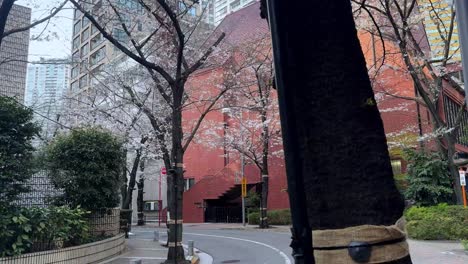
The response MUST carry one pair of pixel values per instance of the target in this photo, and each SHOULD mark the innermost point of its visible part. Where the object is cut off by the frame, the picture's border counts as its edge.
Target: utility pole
(461, 7)
(243, 195)
(242, 160)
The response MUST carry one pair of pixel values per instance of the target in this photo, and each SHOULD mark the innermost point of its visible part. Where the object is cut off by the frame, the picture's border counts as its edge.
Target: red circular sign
(163, 171)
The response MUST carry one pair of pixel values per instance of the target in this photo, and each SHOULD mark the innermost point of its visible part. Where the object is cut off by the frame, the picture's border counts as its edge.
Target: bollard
(190, 247)
(136, 261)
(156, 236)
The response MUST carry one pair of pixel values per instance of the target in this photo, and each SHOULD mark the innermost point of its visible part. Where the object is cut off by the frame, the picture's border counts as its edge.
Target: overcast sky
(55, 37)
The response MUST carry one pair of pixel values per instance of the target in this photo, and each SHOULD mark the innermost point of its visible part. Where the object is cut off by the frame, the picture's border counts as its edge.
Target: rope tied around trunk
(360, 244)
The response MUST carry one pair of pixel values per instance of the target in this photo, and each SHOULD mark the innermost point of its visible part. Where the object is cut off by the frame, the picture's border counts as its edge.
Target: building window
(396, 167)
(84, 50)
(77, 28)
(235, 4)
(74, 86)
(85, 22)
(76, 56)
(76, 43)
(93, 29)
(96, 41)
(151, 206)
(139, 25)
(188, 183)
(119, 34)
(222, 11)
(84, 66)
(77, 13)
(75, 71)
(83, 81)
(97, 56)
(85, 35)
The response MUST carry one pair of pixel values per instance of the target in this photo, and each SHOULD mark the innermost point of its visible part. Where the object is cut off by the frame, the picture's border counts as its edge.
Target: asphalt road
(226, 244)
(241, 246)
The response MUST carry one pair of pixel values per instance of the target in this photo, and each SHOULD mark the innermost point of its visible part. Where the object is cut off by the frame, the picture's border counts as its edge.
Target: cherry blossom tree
(401, 23)
(252, 128)
(175, 46)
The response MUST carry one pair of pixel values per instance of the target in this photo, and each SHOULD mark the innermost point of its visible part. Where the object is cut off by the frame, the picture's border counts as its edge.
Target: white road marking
(282, 254)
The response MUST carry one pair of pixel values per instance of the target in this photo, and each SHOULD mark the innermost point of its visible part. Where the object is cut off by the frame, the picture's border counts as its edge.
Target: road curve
(241, 246)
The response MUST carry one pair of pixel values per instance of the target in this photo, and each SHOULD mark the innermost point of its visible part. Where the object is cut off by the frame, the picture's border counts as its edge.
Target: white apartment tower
(46, 84)
(216, 10)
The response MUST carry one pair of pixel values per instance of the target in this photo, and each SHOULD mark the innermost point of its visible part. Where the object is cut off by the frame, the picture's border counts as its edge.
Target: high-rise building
(14, 54)
(216, 10)
(437, 23)
(90, 50)
(47, 83)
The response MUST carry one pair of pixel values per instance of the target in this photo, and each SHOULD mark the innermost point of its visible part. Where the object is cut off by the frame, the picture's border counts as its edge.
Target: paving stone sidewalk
(144, 248)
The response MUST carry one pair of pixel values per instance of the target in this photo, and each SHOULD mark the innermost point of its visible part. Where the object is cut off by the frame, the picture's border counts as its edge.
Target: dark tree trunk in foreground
(333, 133)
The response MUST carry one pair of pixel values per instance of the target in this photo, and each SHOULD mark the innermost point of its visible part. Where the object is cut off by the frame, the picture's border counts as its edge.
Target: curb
(195, 259)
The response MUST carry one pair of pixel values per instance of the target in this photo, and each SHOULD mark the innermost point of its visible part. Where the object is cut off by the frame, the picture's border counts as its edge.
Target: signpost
(244, 194)
(163, 172)
(463, 185)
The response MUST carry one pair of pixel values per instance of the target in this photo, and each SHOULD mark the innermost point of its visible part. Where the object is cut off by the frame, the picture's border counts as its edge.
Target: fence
(41, 191)
(104, 222)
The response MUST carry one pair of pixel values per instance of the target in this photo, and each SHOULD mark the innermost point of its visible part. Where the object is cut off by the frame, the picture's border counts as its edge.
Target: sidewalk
(437, 252)
(141, 245)
(146, 249)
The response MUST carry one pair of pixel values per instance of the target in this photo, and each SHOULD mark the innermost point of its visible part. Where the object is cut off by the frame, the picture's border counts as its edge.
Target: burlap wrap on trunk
(365, 233)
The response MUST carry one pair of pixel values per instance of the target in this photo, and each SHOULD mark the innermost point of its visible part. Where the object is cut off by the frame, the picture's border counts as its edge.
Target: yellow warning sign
(244, 187)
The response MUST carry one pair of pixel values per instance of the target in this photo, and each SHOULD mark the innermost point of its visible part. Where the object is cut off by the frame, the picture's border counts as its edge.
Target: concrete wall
(151, 189)
(88, 253)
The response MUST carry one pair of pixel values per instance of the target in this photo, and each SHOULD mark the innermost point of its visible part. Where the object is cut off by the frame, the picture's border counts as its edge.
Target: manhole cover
(231, 261)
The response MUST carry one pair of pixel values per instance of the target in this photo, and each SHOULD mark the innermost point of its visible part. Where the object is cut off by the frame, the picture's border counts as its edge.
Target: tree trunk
(140, 202)
(450, 140)
(127, 198)
(176, 252)
(264, 170)
(264, 201)
(333, 135)
(5, 9)
(131, 183)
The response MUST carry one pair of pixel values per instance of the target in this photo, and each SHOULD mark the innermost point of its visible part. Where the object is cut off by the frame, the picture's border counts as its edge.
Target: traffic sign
(163, 171)
(462, 178)
(244, 186)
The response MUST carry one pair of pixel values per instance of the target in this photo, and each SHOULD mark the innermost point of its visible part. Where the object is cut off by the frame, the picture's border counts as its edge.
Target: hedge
(440, 222)
(275, 217)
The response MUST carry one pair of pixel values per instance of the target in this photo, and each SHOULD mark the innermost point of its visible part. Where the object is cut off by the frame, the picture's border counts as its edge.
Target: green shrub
(16, 131)
(87, 164)
(441, 222)
(428, 178)
(253, 199)
(33, 229)
(254, 218)
(465, 244)
(275, 217)
(401, 181)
